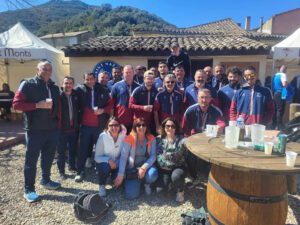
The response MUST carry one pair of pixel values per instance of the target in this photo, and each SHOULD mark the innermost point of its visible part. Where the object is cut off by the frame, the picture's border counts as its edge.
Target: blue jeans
(104, 170)
(132, 186)
(88, 137)
(67, 140)
(37, 142)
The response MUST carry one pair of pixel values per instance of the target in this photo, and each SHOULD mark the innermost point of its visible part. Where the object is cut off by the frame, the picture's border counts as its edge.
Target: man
(103, 78)
(195, 119)
(120, 94)
(6, 98)
(279, 84)
(155, 71)
(181, 81)
(191, 92)
(163, 71)
(95, 106)
(142, 100)
(253, 102)
(168, 103)
(69, 125)
(226, 93)
(219, 80)
(116, 77)
(139, 74)
(179, 57)
(38, 98)
(209, 74)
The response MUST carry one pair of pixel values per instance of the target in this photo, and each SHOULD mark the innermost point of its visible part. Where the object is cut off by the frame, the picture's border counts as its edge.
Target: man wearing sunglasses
(142, 100)
(191, 92)
(252, 101)
(168, 103)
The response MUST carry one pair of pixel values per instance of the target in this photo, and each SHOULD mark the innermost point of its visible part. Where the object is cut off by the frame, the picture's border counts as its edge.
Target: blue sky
(185, 13)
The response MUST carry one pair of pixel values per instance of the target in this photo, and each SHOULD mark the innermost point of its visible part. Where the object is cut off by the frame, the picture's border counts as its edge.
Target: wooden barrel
(245, 197)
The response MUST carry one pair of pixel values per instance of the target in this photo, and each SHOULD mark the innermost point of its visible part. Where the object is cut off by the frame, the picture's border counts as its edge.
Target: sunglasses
(114, 125)
(141, 125)
(170, 82)
(170, 126)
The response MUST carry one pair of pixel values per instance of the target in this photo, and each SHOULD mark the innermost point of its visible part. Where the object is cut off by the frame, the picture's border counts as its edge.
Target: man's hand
(44, 105)
(160, 89)
(148, 108)
(118, 181)
(112, 164)
(98, 111)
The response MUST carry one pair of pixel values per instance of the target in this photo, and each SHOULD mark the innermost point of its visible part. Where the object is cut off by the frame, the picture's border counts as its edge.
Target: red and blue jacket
(120, 94)
(191, 94)
(194, 120)
(169, 105)
(225, 96)
(102, 100)
(32, 91)
(254, 104)
(140, 97)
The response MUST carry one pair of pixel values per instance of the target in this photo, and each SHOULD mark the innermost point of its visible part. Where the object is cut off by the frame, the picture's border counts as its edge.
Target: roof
(160, 45)
(68, 34)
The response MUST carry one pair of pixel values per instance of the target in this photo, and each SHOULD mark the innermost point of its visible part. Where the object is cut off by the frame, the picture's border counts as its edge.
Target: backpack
(89, 208)
(292, 130)
(195, 217)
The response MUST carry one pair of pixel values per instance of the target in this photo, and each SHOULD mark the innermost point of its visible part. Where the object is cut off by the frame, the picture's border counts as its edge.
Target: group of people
(136, 123)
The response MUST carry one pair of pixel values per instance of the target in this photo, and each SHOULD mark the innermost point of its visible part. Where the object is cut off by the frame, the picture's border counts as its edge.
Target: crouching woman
(107, 152)
(170, 159)
(138, 154)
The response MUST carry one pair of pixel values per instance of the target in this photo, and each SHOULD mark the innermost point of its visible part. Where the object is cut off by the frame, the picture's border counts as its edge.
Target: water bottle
(241, 124)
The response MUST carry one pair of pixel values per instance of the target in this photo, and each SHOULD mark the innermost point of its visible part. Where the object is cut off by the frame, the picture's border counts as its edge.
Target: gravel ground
(56, 206)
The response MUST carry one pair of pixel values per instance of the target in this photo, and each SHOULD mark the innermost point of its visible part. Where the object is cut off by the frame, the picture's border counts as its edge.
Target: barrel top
(213, 150)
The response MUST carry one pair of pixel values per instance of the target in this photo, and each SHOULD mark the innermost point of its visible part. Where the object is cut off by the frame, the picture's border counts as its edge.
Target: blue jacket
(191, 93)
(260, 111)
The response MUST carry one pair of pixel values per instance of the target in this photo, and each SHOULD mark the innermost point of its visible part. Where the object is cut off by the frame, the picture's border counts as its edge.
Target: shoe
(159, 189)
(62, 176)
(180, 196)
(72, 169)
(31, 197)
(102, 191)
(88, 163)
(148, 190)
(51, 185)
(79, 177)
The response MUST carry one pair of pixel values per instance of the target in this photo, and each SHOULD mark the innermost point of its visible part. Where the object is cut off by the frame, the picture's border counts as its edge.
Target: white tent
(289, 48)
(20, 50)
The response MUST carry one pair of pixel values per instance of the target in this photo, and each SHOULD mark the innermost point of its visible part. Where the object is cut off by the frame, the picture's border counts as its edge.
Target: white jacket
(106, 149)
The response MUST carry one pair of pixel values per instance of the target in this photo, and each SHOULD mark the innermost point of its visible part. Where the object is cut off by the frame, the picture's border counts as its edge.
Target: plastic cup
(214, 132)
(248, 131)
(48, 99)
(232, 123)
(209, 130)
(290, 158)
(268, 148)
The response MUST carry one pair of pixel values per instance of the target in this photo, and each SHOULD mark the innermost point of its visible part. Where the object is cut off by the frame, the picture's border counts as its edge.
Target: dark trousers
(104, 171)
(279, 110)
(196, 165)
(176, 176)
(88, 136)
(67, 141)
(37, 142)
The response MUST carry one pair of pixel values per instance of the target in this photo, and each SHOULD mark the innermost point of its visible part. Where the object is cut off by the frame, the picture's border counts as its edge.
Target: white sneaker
(102, 191)
(88, 163)
(148, 190)
(180, 196)
(159, 189)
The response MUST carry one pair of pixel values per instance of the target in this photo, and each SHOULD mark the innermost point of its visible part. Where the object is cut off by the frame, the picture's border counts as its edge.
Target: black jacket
(64, 117)
(182, 59)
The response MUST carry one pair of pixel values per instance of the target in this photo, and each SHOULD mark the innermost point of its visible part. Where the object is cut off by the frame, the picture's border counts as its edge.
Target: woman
(138, 154)
(107, 152)
(170, 158)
